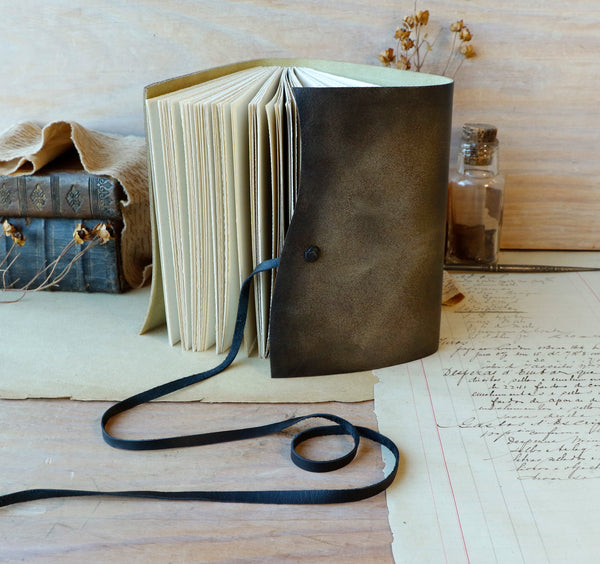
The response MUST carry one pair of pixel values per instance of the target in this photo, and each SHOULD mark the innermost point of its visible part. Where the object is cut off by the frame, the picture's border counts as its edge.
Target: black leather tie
(340, 427)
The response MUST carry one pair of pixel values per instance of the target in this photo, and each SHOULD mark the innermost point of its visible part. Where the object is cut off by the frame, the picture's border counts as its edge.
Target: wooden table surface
(57, 443)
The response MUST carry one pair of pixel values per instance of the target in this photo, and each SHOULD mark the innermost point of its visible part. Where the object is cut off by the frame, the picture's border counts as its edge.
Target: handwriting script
(533, 386)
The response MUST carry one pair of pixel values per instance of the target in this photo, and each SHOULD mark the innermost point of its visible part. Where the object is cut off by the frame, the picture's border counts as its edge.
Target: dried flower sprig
(461, 37)
(99, 235)
(105, 232)
(411, 42)
(11, 231)
(413, 45)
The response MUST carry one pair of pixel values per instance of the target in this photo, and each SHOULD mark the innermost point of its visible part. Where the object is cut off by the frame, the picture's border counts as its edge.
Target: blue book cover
(88, 267)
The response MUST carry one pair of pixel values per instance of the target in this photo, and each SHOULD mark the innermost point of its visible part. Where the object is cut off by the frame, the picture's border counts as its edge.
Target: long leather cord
(340, 427)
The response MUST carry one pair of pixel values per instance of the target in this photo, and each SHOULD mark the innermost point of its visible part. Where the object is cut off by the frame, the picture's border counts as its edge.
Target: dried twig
(50, 274)
(413, 45)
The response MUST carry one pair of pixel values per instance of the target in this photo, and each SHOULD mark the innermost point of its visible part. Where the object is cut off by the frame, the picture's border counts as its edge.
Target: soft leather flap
(359, 285)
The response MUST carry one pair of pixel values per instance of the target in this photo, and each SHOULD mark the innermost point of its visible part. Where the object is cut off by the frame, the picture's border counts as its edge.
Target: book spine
(62, 194)
(50, 257)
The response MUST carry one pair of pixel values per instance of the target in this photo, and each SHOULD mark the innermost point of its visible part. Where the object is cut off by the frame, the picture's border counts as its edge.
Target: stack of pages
(224, 157)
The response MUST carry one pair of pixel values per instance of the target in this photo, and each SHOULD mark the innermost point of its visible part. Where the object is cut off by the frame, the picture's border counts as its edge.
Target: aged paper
(87, 347)
(500, 430)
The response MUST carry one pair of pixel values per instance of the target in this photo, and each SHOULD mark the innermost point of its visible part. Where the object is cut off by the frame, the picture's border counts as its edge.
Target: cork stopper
(478, 143)
(479, 133)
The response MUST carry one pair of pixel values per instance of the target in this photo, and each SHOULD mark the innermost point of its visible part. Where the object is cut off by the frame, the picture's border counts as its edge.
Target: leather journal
(358, 263)
(360, 280)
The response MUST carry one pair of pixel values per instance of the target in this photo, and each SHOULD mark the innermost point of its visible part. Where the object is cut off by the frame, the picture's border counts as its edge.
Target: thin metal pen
(516, 268)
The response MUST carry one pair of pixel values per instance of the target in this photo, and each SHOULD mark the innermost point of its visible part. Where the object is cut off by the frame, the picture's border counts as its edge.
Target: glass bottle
(475, 199)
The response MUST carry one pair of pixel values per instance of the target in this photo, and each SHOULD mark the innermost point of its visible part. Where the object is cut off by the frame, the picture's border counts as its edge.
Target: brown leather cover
(374, 173)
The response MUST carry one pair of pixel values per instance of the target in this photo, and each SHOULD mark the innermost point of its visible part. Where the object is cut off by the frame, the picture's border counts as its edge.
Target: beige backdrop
(536, 77)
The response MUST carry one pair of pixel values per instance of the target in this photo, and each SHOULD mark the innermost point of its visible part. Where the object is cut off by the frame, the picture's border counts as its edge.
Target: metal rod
(517, 268)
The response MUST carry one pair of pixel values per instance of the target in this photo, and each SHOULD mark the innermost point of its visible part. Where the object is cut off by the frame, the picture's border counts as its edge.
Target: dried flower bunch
(413, 45)
(103, 231)
(11, 231)
(51, 275)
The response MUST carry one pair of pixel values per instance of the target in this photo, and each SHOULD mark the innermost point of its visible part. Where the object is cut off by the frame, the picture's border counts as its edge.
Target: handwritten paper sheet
(500, 430)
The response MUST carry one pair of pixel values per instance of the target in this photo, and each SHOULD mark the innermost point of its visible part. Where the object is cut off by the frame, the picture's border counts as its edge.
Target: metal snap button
(312, 253)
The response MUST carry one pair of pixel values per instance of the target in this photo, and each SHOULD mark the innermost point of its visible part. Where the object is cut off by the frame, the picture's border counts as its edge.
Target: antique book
(340, 170)
(50, 257)
(61, 189)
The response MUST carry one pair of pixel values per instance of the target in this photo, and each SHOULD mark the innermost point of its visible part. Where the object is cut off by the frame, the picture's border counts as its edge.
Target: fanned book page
(224, 157)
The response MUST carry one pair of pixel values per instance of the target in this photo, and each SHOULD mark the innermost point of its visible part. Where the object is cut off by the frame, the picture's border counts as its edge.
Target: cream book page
(260, 201)
(202, 308)
(177, 202)
(314, 79)
(202, 303)
(170, 220)
(170, 185)
(222, 192)
(159, 195)
(499, 430)
(240, 174)
(293, 142)
(227, 158)
(177, 205)
(274, 110)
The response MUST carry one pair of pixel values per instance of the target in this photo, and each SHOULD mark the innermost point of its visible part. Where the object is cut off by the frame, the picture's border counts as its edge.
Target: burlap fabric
(27, 147)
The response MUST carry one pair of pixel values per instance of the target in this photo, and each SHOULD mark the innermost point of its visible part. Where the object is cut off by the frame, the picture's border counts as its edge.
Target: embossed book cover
(51, 259)
(61, 189)
(42, 211)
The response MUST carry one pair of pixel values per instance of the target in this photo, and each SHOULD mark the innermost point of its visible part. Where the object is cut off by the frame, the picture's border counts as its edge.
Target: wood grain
(533, 77)
(57, 443)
